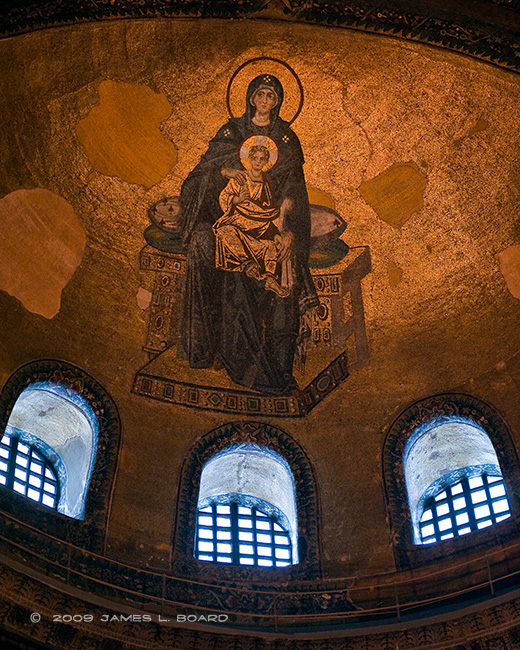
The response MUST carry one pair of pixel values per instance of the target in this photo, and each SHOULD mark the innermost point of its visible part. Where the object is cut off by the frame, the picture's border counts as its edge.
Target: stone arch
(258, 435)
(437, 409)
(89, 532)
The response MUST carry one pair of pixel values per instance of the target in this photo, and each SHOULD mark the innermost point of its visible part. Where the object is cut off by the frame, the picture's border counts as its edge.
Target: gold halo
(264, 141)
(238, 83)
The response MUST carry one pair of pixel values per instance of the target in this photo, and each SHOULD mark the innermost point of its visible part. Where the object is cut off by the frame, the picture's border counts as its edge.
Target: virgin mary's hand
(237, 174)
(284, 243)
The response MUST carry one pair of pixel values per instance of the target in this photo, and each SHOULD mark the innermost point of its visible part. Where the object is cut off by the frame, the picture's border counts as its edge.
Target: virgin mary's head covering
(264, 81)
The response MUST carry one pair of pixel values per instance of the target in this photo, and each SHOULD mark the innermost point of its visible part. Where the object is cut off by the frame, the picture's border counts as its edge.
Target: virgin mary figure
(229, 319)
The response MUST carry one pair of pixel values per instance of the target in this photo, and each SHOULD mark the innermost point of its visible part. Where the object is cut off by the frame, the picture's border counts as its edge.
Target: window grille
(470, 504)
(24, 470)
(236, 534)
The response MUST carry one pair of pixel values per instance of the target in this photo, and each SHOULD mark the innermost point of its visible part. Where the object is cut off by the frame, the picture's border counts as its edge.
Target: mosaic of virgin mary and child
(246, 230)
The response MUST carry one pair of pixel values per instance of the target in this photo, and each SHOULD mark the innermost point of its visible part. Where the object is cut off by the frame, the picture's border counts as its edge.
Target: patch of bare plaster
(510, 268)
(319, 197)
(395, 273)
(121, 135)
(396, 193)
(480, 125)
(42, 245)
(144, 298)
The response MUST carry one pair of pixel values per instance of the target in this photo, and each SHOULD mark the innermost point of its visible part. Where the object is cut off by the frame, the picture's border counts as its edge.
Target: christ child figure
(248, 233)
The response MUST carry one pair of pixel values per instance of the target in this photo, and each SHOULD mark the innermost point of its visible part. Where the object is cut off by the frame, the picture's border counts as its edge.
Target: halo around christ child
(263, 141)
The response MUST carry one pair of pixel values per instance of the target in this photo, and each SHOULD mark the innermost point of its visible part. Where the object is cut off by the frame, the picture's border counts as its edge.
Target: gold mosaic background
(417, 148)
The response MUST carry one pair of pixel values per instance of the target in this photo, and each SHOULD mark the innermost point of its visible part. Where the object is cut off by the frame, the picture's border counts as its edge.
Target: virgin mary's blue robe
(229, 317)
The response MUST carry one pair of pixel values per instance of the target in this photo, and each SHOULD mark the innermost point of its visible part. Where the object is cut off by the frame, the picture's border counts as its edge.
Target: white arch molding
(62, 426)
(253, 476)
(441, 452)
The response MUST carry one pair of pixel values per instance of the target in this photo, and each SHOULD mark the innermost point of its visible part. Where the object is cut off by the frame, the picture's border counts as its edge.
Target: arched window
(58, 419)
(246, 510)
(247, 506)
(51, 430)
(453, 480)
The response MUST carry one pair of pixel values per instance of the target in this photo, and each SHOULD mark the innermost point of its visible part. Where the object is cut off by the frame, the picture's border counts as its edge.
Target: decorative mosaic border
(493, 42)
(251, 601)
(491, 628)
(407, 554)
(306, 501)
(90, 532)
(241, 402)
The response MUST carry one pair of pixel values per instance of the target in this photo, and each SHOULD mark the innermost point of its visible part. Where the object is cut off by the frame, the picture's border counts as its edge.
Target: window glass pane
(264, 550)
(482, 511)
(477, 497)
(475, 481)
(223, 534)
(475, 503)
(462, 518)
(33, 494)
(497, 491)
(459, 503)
(444, 524)
(223, 521)
(22, 472)
(35, 481)
(223, 548)
(501, 506)
(484, 524)
(428, 530)
(241, 540)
